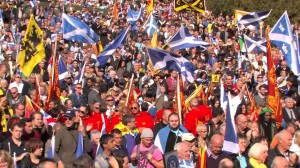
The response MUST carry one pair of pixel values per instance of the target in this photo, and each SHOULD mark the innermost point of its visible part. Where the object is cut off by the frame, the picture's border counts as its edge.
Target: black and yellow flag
(189, 6)
(32, 48)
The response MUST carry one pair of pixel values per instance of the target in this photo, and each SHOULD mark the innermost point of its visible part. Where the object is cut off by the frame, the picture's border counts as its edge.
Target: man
(172, 82)
(283, 67)
(78, 97)
(16, 97)
(39, 126)
(105, 159)
(170, 135)
(28, 130)
(110, 105)
(290, 127)
(290, 113)
(260, 98)
(282, 149)
(66, 140)
(14, 144)
(163, 123)
(95, 140)
(47, 163)
(119, 148)
(183, 150)
(214, 151)
(241, 159)
(280, 162)
(146, 154)
(196, 115)
(226, 163)
(143, 119)
(94, 95)
(213, 125)
(67, 83)
(241, 124)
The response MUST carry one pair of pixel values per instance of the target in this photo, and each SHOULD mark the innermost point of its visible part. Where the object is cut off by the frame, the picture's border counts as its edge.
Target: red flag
(130, 95)
(273, 99)
(28, 107)
(202, 157)
(115, 11)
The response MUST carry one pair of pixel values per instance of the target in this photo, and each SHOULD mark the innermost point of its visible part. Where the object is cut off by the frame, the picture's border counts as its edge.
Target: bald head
(217, 139)
(226, 163)
(165, 116)
(194, 102)
(279, 162)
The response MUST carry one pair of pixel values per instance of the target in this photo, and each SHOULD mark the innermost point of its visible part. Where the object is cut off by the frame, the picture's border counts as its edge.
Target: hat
(264, 110)
(70, 113)
(109, 68)
(147, 133)
(68, 75)
(187, 137)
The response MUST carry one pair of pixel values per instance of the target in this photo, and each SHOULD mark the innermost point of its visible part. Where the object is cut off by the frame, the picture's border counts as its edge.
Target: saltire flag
(53, 37)
(111, 48)
(296, 37)
(53, 88)
(62, 70)
(1, 20)
(223, 97)
(273, 99)
(79, 149)
(184, 39)
(161, 59)
(238, 14)
(28, 107)
(282, 36)
(254, 18)
(231, 144)
(80, 75)
(150, 5)
(190, 6)
(76, 30)
(151, 25)
(52, 147)
(33, 3)
(255, 45)
(103, 128)
(133, 16)
(116, 11)
(32, 48)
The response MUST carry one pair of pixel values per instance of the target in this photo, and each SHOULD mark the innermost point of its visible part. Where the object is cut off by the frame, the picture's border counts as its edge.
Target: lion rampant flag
(115, 11)
(150, 6)
(273, 99)
(32, 48)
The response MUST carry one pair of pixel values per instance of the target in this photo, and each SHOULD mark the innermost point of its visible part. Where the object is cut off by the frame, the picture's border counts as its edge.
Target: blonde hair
(256, 150)
(198, 128)
(5, 157)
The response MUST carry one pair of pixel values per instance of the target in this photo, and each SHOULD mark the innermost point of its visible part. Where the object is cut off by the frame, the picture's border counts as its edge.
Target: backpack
(138, 153)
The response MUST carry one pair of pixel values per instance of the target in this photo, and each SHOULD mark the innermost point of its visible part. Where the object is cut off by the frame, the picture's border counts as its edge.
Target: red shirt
(89, 120)
(99, 123)
(144, 120)
(115, 119)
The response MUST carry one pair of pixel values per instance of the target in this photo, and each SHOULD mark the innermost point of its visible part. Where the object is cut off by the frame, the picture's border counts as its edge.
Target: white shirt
(19, 86)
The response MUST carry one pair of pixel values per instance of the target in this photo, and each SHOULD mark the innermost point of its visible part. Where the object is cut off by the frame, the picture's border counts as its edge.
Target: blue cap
(70, 113)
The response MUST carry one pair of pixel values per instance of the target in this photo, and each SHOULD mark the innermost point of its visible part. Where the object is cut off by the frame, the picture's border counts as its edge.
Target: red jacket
(99, 123)
(143, 119)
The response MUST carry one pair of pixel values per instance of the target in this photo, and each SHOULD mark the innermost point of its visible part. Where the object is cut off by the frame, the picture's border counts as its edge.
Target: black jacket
(275, 152)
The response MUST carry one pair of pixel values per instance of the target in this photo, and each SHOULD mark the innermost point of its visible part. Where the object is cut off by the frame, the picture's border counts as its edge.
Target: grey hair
(256, 149)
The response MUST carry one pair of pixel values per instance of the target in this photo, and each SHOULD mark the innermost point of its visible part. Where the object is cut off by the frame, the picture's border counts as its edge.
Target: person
(226, 163)
(201, 139)
(106, 159)
(214, 153)
(290, 127)
(66, 140)
(146, 154)
(290, 113)
(77, 97)
(35, 148)
(282, 149)
(257, 155)
(163, 123)
(119, 148)
(241, 124)
(183, 150)
(83, 161)
(214, 123)
(295, 147)
(47, 163)
(6, 161)
(169, 136)
(28, 130)
(39, 126)
(260, 98)
(122, 159)
(95, 139)
(280, 162)
(267, 125)
(143, 119)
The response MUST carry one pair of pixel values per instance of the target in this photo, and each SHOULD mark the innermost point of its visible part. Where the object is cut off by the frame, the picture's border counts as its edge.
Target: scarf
(125, 130)
(255, 164)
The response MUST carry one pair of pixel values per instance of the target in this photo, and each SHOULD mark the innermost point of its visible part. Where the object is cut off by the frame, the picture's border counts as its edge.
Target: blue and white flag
(296, 37)
(62, 70)
(254, 18)
(133, 16)
(111, 48)
(161, 59)
(282, 36)
(33, 3)
(53, 37)
(79, 149)
(151, 25)
(1, 20)
(51, 151)
(255, 44)
(76, 30)
(223, 97)
(184, 39)
(230, 144)
(80, 76)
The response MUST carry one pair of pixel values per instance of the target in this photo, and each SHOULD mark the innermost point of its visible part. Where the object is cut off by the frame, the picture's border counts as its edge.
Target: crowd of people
(141, 133)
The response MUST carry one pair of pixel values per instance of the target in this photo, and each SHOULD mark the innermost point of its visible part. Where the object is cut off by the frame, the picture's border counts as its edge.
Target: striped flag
(150, 5)
(254, 18)
(62, 70)
(28, 107)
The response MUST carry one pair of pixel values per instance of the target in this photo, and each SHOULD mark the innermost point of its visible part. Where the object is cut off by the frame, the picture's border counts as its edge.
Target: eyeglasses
(134, 108)
(68, 118)
(96, 107)
(21, 109)
(82, 112)
(116, 110)
(13, 92)
(110, 100)
(78, 88)
(18, 77)
(259, 77)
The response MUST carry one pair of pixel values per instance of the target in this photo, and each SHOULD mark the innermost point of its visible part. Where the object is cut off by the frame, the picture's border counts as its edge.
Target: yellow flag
(32, 48)
(154, 40)
(150, 6)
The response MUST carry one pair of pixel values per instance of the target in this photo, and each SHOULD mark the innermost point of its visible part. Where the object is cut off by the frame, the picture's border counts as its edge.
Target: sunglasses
(134, 108)
(18, 77)
(13, 92)
(259, 77)
(110, 100)
(68, 118)
(82, 112)
(96, 107)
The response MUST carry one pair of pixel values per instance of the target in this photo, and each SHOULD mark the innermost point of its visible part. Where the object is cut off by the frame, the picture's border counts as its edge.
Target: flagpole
(179, 99)
(129, 90)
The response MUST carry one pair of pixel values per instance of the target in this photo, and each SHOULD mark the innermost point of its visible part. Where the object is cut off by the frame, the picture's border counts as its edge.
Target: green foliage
(227, 7)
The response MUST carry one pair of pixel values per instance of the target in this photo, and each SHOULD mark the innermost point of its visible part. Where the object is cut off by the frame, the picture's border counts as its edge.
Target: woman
(267, 125)
(6, 160)
(258, 154)
(200, 141)
(63, 95)
(241, 109)
(35, 148)
(122, 160)
(296, 144)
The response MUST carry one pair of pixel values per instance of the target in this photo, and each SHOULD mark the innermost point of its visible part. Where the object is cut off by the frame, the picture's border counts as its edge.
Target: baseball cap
(70, 113)
(187, 137)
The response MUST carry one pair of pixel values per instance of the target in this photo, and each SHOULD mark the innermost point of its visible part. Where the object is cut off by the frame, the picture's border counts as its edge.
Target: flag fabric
(111, 48)
(273, 99)
(202, 157)
(32, 48)
(184, 39)
(230, 144)
(79, 149)
(195, 93)
(33, 3)
(223, 97)
(15, 160)
(115, 11)
(254, 18)
(296, 38)
(53, 37)
(178, 104)
(282, 36)
(80, 75)
(1, 20)
(62, 70)
(238, 14)
(130, 95)
(133, 16)
(76, 30)
(189, 6)
(150, 5)
(161, 59)
(51, 151)
(255, 45)
(98, 48)
(151, 25)
(28, 107)
(154, 40)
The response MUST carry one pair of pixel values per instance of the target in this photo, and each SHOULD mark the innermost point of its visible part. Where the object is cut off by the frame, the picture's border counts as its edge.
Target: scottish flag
(184, 39)
(151, 25)
(51, 151)
(1, 20)
(133, 16)
(53, 37)
(111, 48)
(282, 36)
(161, 59)
(230, 144)
(254, 18)
(255, 45)
(80, 76)
(76, 30)
(62, 70)
(79, 149)
(297, 50)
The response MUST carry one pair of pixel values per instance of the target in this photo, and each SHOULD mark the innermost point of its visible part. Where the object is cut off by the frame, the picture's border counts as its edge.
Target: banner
(190, 6)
